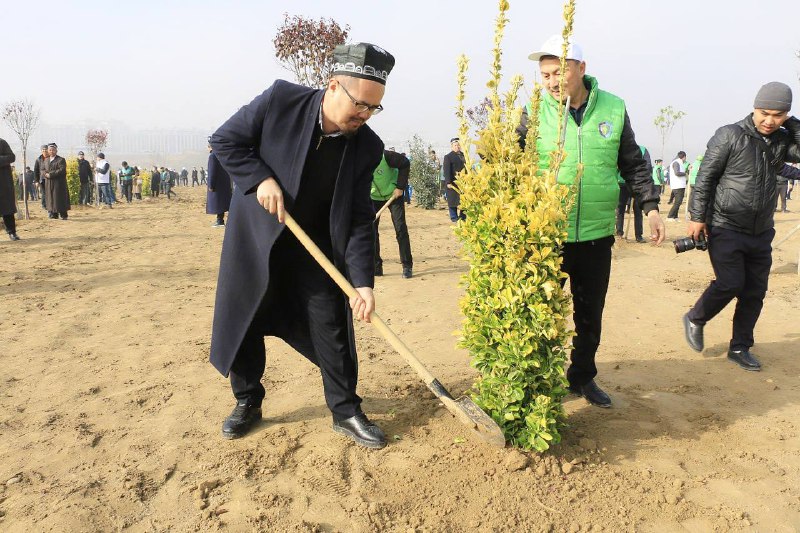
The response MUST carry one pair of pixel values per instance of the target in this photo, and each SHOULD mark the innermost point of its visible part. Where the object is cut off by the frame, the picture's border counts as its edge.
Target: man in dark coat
(30, 187)
(218, 198)
(733, 208)
(85, 176)
(453, 163)
(37, 174)
(54, 170)
(8, 202)
(194, 177)
(309, 152)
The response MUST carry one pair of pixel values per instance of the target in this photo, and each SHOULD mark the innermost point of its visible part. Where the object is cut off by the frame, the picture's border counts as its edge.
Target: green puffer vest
(695, 170)
(595, 144)
(384, 181)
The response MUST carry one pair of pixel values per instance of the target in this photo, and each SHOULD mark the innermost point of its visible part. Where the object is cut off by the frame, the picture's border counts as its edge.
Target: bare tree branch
(22, 117)
(305, 46)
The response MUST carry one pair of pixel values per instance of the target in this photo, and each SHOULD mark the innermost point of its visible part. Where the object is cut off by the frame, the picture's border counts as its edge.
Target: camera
(688, 243)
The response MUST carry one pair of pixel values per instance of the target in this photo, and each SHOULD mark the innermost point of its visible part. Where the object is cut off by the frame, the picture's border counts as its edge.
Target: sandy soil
(110, 414)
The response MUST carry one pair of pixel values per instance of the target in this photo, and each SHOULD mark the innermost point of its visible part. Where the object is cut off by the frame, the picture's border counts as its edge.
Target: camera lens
(684, 244)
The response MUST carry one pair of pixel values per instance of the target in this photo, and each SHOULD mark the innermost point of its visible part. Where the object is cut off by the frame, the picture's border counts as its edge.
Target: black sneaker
(379, 270)
(240, 421)
(13, 236)
(407, 272)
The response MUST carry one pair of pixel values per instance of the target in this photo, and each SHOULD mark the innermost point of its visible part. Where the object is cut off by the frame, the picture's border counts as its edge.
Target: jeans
(455, 215)
(105, 193)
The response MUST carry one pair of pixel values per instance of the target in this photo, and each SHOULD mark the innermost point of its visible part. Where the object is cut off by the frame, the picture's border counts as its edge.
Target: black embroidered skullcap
(362, 60)
(454, 140)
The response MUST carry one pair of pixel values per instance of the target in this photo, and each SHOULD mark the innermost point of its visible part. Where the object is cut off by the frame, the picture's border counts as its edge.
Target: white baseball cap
(554, 46)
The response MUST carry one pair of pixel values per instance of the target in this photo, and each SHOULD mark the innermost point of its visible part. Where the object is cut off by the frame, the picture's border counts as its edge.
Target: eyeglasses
(361, 107)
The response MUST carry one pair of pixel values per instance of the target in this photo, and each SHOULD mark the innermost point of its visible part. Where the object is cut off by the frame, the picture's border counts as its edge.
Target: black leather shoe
(407, 272)
(13, 236)
(593, 394)
(240, 421)
(361, 430)
(694, 334)
(379, 270)
(744, 359)
(641, 240)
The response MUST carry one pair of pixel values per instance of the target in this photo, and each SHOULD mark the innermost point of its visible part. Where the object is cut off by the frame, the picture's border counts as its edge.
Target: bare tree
(23, 118)
(96, 140)
(665, 120)
(304, 47)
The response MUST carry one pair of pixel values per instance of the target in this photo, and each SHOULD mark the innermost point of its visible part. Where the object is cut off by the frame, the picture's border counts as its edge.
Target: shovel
(464, 409)
(382, 209)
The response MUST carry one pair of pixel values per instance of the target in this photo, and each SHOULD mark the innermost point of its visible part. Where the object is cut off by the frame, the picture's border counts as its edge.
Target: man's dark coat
(270, 137)
(55, 187)
(218, 198)
(8, 199)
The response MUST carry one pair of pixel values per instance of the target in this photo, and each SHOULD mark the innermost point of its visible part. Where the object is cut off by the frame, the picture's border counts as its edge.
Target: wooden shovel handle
(377, 321)
(387, 204)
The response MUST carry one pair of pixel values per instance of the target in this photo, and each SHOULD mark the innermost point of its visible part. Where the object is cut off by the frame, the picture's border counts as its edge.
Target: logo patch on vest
(605, 129)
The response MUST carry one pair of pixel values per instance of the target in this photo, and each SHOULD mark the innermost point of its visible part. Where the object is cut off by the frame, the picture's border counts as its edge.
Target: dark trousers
(456, 214)
(303, 290)
(194, 181)
(782, 189)
(42, 195)
(83, 197)
(741, 265)
(127, 190)
(588, 265)
(398, 211)
(10, 223)
(624, 198)
(676, 205)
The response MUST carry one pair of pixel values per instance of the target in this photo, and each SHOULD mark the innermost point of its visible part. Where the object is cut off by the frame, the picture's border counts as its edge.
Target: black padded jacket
(735, 187)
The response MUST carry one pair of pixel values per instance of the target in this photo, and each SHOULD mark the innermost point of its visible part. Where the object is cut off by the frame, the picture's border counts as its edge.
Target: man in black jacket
(786, 174)
(308, 152)
(37, 173)
(385, 187)
(85, 176)
(733, 206)
(453, 163)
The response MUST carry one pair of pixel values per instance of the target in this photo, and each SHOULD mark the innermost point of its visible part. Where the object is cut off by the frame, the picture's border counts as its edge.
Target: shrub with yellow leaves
(515, 310)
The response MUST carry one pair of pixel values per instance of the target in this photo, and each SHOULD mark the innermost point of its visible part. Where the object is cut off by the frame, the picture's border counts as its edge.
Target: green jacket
(126, 174)
(695, 170)
(595, 144)
(384, 181)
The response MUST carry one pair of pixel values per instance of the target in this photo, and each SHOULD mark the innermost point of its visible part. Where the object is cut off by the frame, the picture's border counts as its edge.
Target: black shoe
(694, 334)
(407, 272)
(13, 236)
(361, 430)
(593, 394)
(379, 270)
(240, 421)
(641, 240)
(744, 359)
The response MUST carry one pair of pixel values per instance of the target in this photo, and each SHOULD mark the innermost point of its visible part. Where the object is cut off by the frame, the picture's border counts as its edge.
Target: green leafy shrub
(73, 181)
(424, 173)
(515, 311)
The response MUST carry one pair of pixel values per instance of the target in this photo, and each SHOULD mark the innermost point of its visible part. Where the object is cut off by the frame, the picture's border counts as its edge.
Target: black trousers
(588, 265)
(10, 223)
(625, 197)
(83, 197)
(782, 190)
(127, 190)
(676, 205)
(300, 288)
(398, 211)
(741, 265)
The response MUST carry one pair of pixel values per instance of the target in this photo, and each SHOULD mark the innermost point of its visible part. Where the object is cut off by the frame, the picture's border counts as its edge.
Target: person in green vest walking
(658, 176)
(599, 136)
(389, 181)
(126, 175)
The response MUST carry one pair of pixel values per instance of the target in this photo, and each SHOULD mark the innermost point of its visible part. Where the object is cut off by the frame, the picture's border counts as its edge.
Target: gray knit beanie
(775, 96)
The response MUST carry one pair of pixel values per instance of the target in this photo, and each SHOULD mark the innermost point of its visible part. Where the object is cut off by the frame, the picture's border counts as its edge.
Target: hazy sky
(177, 64)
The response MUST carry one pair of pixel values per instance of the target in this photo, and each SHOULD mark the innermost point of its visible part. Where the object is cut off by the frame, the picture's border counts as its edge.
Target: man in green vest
(658, 176)
(389, 181)
(598, 136)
